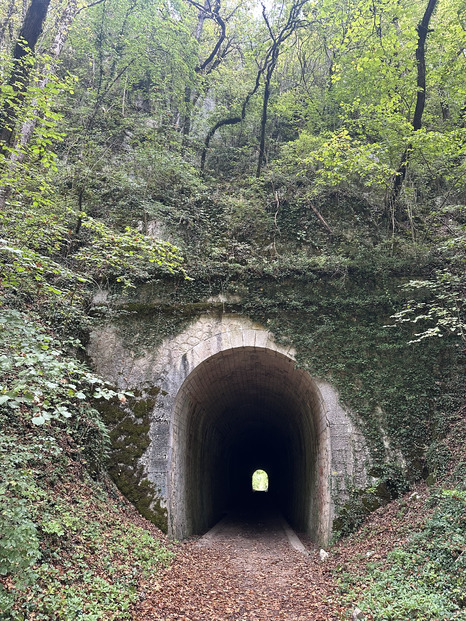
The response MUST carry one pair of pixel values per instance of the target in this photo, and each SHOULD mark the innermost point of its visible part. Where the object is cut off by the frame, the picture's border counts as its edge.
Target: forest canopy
(118, 114)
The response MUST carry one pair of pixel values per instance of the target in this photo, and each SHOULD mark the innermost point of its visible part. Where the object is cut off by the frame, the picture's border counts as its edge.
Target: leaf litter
(245, 572)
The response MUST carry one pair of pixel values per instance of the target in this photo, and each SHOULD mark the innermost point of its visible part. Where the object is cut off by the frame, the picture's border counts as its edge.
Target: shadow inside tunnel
(255, 510)
(255, 520)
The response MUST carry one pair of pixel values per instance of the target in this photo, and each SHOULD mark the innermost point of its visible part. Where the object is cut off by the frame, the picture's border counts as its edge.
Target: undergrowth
(70, 546)
(424, 579)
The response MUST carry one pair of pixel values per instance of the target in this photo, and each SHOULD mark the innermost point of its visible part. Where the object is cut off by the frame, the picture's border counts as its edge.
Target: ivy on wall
(336, 315)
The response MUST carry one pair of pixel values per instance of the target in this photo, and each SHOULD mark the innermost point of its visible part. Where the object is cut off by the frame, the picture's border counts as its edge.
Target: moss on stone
(138, 490)
(129, 425)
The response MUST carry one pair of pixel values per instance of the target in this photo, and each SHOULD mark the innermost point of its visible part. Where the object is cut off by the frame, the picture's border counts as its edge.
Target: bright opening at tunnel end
(260, 481)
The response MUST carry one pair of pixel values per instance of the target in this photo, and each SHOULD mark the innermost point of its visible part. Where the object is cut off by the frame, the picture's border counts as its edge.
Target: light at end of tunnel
(260, 481)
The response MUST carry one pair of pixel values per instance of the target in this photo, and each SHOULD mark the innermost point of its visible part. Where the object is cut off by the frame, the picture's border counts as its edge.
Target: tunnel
(240, 410)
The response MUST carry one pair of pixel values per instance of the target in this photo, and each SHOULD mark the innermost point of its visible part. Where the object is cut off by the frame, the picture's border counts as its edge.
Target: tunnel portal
(230, 400)
(239, 410)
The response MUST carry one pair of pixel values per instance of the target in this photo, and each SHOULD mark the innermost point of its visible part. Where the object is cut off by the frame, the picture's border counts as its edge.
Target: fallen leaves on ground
(246, 573)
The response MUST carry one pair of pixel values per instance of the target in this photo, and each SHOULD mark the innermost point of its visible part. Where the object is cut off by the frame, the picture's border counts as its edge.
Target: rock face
(231, 400)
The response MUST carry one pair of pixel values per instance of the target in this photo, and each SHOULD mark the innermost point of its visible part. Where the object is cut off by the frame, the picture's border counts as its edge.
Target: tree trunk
(59, 41)
(291, 25)
(62, 29)
(206, 11)
(222, 123)
(19, 79)
(67, 17)
(423, 31)
(265, 104)
(188, 91)
(231, 120)
(271, 57)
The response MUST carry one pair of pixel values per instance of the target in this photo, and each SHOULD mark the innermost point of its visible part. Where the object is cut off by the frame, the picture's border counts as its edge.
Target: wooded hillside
(307, 156)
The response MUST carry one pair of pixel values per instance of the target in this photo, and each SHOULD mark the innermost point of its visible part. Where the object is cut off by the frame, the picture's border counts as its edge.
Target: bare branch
(88, 6)
(267, 23)
(219, 42)
(321, 218)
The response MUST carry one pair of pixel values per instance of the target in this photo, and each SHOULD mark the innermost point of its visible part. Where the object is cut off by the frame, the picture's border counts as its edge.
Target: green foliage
(389, 482)
(73, 586)
(89, 562)
(38, 380)
(338, 159)
(130, 57)
(426, 579)
(19, 491)
(51, 525)
(44, 238)
(27, 165)
(439, 303)
(443, 311)
(28, 274)
(124, 255)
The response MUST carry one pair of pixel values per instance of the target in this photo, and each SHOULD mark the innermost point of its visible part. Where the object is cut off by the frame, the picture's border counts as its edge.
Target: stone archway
(241, 408)
(229, 400)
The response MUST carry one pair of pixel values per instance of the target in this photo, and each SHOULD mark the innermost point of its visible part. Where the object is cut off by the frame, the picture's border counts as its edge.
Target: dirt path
(243, 570)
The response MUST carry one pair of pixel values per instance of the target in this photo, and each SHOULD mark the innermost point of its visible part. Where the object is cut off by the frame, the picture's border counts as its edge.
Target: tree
(278, 34)
(22, 63)
(62, 28)
(292, 22)
(423, 31)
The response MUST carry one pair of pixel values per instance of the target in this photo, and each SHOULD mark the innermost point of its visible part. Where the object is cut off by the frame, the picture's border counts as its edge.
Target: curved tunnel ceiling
(242, 409)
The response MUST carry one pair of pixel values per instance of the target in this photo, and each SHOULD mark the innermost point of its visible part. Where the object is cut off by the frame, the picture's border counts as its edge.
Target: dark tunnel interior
(241, 410)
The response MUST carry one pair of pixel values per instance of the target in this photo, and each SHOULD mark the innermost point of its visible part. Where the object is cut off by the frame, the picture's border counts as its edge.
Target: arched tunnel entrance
(239, 410)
